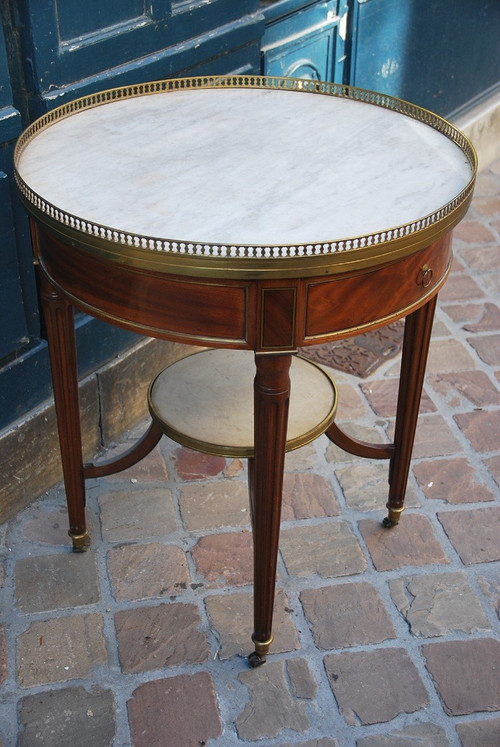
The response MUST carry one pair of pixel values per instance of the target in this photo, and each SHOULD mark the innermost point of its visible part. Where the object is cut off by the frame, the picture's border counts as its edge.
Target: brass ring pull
(425, 276)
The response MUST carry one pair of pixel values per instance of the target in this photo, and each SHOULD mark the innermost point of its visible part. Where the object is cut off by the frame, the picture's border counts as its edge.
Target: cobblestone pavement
(382, 637)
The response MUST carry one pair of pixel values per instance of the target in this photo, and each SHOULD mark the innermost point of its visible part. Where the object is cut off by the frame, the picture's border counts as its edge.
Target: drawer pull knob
(425, 276)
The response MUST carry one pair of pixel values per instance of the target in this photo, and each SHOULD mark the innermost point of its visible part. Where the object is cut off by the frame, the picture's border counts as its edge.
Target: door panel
(13, 330)
(68, 48)
(305, 42)
(443, 55)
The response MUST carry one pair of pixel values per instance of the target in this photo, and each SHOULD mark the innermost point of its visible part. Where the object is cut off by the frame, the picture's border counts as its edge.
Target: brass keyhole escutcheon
(425, 276)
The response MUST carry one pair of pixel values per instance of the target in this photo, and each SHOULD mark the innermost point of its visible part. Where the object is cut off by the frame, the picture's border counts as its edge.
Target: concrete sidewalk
(382, 637)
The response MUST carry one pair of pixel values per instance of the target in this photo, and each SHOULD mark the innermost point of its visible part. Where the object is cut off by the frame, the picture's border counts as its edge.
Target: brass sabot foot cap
(258, 657)
(392, 519)
(81, 542)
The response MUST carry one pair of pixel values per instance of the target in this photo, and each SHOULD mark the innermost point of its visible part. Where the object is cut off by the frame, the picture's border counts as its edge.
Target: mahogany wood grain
(271, 315)
(278, 315)
(271, 403)
(348, 303)
(159, 305)
(59, 321)
(417, 335)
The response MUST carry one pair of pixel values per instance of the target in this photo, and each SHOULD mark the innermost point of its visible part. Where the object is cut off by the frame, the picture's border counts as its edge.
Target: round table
(243, 212)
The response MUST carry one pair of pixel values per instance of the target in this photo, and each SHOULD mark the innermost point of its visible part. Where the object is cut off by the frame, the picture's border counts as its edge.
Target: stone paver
(231, 616)
(60, 649)
(150, 469)
(50, 527)
(177, 710)
(344, 615)
(3, 654)
(302, 681)
(479, 733)
(416, 735)
(301, 460)
(272, 706)
(192, 465)
(160, 636)
(351, 404)
(225, 559)
(412, 543)
(465, 674)
(474, 317)
(145, 571)
(325, 742)
(136, 514)
(489, 320)
(438, 603)
(491, 283)
(448, 355)
(473, 232)
(488, 348)
(451, 480)
(434, 437)
(460, 287)
(329, 550)
(234, 468)
(71, 716)
(389, 672)
(487, 205)
(383, 398)
(214, 504)
(486, 259)
(365, 486)
(307, 495)
(489, 583)
(482, 428)
(493, 464)
(462, 388)
(47, 582)
(474, 534)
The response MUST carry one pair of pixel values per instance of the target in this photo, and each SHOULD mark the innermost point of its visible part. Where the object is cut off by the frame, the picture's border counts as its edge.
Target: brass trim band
(262, 647)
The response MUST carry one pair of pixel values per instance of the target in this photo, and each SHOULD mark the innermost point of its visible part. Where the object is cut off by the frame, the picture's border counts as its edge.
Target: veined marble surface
(232, 166)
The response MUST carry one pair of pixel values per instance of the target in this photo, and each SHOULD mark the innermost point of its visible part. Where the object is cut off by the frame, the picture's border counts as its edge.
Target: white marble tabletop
(244, 166)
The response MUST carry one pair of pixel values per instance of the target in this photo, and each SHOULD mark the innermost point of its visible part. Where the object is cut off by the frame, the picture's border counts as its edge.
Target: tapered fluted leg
(251, 473)
(58, 316)
(418, 328)
(271, 397)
